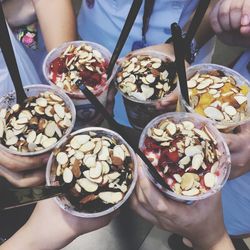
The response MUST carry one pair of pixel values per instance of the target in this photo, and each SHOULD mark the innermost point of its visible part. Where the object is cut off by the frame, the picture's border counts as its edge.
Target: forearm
(57, 21)
(30, 238)
(223, 243)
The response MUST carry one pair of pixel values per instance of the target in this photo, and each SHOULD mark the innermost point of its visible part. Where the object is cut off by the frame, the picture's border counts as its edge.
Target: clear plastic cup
(86, 112)
(223, 126)
(140, 113)
(62, 201)
(34, 90)
(224, 161)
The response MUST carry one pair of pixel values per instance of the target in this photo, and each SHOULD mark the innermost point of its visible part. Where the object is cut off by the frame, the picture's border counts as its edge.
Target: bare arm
(57, 21)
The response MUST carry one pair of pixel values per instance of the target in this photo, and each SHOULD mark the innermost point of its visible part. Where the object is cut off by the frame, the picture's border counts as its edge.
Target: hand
(201, 222)
(239, 146)
(57, 228)
(167, 104)
(23, 171)
(230, 20)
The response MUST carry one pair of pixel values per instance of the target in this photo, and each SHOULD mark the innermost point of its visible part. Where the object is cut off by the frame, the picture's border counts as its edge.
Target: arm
(201, 222)
(57, 21)
(49, 227)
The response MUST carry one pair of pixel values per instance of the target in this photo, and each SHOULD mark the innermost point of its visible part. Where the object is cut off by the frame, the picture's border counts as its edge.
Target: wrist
(221, 242)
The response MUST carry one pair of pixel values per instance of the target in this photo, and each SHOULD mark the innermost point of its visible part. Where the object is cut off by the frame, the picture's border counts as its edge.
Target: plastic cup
(85, 111)
(224, 161)
(62, 201)
(224, 126)
(34, 90)
(141, 112)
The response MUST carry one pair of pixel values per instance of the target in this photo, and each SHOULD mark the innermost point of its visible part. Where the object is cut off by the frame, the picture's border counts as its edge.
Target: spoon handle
(124, 34)
(17, 197)
(196, 21)
(9, 56)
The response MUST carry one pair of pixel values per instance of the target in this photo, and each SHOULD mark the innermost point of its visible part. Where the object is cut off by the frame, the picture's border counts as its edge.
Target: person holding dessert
(230, 20)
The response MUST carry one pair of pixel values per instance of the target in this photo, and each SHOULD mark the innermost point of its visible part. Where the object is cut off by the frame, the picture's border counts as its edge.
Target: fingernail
(245, 20)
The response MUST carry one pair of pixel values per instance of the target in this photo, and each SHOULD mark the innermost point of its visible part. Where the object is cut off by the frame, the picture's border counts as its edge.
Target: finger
(140, 210)
(233, 141)
(153, 196)
(235, 14)
(245, 30)
(245, 13)
(23, 179)
(21, 163)
(214, 21)
(224, 16)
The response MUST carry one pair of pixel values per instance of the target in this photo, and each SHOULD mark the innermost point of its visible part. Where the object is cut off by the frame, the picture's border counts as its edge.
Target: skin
(239, 146)
(57, 228)
(186, 220)
(59, 13)
(30, 171)
(230, 20)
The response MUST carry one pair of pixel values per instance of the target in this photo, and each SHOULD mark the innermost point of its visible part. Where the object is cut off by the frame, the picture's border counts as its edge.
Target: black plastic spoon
(133, 12)
(17, 197)
(9, 56)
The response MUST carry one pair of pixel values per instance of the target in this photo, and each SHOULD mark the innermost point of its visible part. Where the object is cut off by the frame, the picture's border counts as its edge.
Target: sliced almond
(96, 171)
(209, 180)
(230, 110)
(90, 161)
(87, 147)
(204, 84)
(42, 102)
(49, 142)
(67, 175)
(177, 178)
(50, 129)
(216, 86)
(76, 168)
(113, 176)
(2, 128)
(188, 125)
(171, 128)
(105, 167)
(191, 192)
(79, 140)
(103, 154)
(187, 181)
(185, 160)
(197, 161)
(192, 83)
(240, 99)
(214, 167)
(87, 185)
(214, 113)
(12, 141)
(31, 136)
(119, 152)
(59, 110)
(111, 197)
(193, 150)
(62, 158)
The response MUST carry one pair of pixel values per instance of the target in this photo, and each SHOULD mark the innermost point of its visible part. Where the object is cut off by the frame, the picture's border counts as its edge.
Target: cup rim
(224, 124)
(67, 132)
(117, 205)
(149, 53)
(76, 95)
(217, 135)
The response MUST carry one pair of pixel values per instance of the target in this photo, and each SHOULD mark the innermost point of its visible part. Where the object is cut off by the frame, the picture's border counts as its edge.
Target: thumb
(232, 141)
